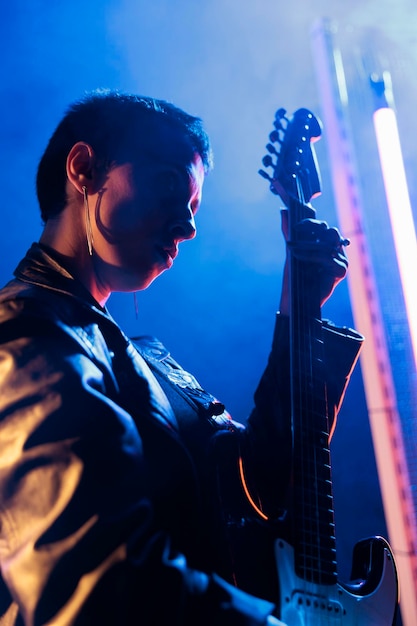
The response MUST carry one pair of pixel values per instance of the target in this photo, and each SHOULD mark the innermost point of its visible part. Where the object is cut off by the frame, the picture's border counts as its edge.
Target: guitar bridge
(300, 602)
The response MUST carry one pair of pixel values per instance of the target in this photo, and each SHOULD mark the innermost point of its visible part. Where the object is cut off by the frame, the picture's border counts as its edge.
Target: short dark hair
(106, 120)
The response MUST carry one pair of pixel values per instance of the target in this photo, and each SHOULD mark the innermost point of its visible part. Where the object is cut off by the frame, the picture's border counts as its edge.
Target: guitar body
(310, 591)
(363, 602)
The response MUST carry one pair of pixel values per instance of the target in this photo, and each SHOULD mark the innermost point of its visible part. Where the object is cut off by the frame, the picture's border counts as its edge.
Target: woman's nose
(184, 228)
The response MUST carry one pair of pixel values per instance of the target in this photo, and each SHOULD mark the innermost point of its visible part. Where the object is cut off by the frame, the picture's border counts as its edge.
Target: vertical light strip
(382, 404)
(400, 211)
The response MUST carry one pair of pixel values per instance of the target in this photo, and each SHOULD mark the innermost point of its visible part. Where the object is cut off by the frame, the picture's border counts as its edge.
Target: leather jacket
(119, 482)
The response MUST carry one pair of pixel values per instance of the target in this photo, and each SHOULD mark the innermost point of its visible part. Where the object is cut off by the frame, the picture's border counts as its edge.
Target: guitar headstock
(295, 174)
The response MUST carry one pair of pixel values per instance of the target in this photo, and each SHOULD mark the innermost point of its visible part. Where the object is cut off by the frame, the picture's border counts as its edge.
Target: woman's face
(144, 210)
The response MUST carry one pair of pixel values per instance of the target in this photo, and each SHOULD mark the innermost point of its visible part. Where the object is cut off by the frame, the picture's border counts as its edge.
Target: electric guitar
(310, 592)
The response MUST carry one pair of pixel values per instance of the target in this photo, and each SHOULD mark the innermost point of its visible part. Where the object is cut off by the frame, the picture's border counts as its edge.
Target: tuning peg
(271, 180)
(279, 117)
(274, 137)
(267, 161)
(278, 125)
(271, 148)
(265, 175)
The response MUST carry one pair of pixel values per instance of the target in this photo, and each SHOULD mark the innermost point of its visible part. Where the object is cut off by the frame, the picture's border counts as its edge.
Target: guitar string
(297, 408)
(304, 360)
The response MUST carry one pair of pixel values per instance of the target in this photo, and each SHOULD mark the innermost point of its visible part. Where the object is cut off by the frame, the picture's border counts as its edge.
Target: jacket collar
(42, 266)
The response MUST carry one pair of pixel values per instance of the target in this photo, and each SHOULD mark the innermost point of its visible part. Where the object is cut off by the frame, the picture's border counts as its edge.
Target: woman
(121, 494)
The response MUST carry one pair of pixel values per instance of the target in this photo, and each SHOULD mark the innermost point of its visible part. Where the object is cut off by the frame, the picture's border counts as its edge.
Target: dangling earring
(88, 230)
(135, 302)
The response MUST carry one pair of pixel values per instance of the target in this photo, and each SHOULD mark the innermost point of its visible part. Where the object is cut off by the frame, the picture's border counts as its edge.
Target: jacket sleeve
(266, 445)
(77, 540)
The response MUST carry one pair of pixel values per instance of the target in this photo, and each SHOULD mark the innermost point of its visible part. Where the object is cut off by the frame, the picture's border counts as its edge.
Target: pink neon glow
(400, 211)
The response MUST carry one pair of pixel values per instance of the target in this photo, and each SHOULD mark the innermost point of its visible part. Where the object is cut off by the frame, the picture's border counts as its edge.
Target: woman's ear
(80, 167)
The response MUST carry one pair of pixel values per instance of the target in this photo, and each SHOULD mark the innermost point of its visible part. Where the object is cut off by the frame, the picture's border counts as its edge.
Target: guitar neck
(313, 515)
(296, 179)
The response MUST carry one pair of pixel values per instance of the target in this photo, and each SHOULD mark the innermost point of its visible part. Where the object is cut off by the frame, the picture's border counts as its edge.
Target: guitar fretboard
(314, 528)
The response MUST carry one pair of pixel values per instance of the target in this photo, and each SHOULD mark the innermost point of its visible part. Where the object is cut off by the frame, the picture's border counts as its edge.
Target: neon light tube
(400, 211)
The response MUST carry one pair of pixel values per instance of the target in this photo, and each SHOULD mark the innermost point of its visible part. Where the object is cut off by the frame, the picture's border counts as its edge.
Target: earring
(88, 229)
(135, 302)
